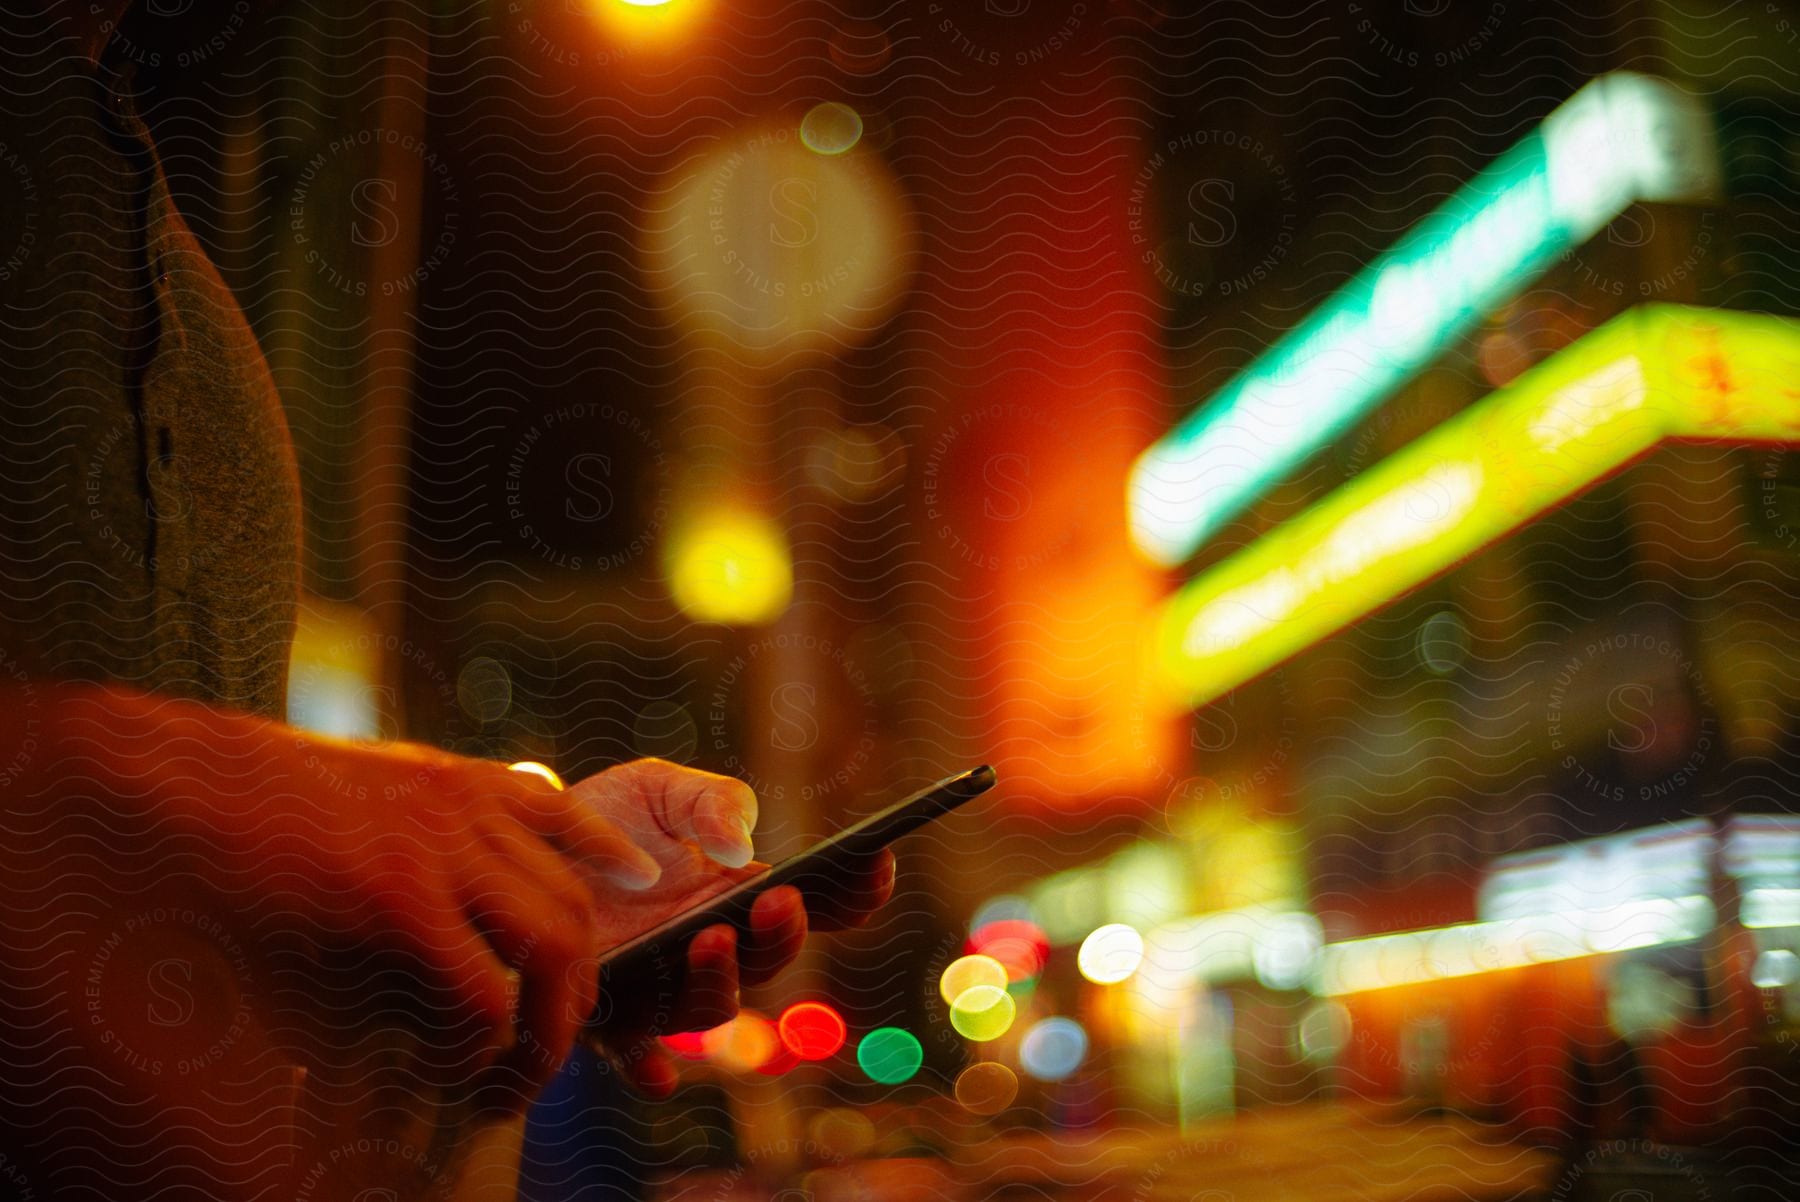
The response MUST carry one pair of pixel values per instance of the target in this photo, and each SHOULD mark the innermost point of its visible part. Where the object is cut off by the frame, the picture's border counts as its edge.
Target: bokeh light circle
(1053, 1048)
(1021, 946)
(831, 128)
(983, 1013)
(811, 1030)
(965, 973)
(484, 690)
(1443, 642)
(1110, 954)
(776, 247)
(889, 1055)
(1323, 1031)
(729, 565)
(746, 1042)
(986, 1088)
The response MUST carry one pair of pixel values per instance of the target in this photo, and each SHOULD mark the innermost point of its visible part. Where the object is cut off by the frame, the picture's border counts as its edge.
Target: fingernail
(639, 873)
(734, 853)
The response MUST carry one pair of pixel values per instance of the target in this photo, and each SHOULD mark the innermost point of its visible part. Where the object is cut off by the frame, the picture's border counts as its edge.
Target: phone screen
(659, 952)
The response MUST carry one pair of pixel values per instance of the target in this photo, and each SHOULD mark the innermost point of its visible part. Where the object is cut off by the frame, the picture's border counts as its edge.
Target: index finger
(574, 828)
(717, 812)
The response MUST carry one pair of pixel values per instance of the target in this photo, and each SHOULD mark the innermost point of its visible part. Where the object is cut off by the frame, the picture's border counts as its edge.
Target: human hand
(696, 826)
(358, 878)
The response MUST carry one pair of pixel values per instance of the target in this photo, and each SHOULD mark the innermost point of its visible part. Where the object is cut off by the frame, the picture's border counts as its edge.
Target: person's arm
(325, 868)
(303, 837)
(205, 909)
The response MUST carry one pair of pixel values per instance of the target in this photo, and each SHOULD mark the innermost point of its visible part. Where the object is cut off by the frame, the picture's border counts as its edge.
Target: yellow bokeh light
(533, 768)
(648, 24)
(778, 248)
(1110, 954)
(730, 567)
(982, 1013)
(968, 972)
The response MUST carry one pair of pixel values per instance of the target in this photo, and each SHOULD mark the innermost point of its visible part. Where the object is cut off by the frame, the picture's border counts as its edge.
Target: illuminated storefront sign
(1762, 853)
(1657, 372)
(1669, 861)
(1414, 957)
(1639, 889)
(1621, 139)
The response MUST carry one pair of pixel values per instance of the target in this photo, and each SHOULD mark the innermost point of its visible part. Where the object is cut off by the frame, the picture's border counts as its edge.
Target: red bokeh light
(811, 1030)
(779, 1063)
(1021, 947)
(688, 1045)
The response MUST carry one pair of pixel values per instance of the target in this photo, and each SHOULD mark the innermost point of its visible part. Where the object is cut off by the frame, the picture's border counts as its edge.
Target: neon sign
(1656, 372)
(1621, 139)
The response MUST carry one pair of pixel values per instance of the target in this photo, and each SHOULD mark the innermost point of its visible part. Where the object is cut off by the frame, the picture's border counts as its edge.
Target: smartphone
(660, 952)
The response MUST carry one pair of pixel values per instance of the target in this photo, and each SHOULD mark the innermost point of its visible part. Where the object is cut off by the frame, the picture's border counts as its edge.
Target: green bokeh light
(890, 1055)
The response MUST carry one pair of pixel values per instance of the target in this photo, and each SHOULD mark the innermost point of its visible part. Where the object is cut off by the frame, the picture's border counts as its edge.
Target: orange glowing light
(1073, 643)
(744, 1043)
(648, 24)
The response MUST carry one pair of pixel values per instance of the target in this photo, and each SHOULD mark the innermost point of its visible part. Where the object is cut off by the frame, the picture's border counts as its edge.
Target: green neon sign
(1654, 373)
(1622, 138)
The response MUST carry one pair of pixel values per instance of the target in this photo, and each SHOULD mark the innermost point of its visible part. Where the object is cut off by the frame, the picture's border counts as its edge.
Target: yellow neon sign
(1657, 372)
